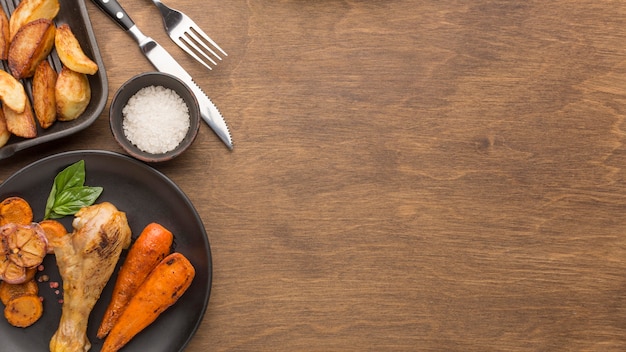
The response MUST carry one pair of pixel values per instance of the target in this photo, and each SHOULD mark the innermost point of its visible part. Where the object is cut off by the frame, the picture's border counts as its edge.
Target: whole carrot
(162, 288)
(152, 245)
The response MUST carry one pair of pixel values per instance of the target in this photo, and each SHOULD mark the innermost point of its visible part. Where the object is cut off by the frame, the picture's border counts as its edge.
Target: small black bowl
(128, 90)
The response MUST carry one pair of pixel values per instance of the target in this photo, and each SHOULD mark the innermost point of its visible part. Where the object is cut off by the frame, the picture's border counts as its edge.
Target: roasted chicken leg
(86, 259)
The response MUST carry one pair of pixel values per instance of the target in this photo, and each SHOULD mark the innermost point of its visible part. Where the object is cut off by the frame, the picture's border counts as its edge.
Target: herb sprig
(69, 193)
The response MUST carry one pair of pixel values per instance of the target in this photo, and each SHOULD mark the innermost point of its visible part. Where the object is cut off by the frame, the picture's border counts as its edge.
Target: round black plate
(146, 196)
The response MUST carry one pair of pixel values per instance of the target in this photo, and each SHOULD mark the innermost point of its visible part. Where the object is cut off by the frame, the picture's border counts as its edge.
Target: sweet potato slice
(44, 100)
(31, 45)
(15, 210)
(54, 231)
(10, 291)
(23, 311)
(71, 53)
(30, 273)
(30, 10)
(12, 92)
(21, 124)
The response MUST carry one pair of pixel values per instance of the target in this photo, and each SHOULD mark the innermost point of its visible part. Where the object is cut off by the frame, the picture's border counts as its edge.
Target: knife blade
(164, 62)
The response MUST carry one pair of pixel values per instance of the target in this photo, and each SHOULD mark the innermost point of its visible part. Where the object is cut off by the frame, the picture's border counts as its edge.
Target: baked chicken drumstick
(86, 259)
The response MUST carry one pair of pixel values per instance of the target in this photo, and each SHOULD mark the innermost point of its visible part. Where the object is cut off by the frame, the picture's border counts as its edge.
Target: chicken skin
(86, 259)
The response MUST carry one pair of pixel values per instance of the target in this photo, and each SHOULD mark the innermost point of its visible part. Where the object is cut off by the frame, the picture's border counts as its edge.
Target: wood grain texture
(407, 175)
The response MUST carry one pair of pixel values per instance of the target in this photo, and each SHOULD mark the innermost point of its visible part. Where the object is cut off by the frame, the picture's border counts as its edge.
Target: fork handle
(116, 12)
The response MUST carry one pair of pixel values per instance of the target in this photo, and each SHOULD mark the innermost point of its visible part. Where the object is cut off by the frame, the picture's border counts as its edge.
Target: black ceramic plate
(146, 196)
(74, 13)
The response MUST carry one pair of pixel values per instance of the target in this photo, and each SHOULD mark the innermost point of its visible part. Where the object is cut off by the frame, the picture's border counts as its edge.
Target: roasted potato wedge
(44, 99)
(4, 131)
(71, 53)
(12, 92)
(30, 10)
(21, 124)
(72, 93)
(31, 45)
(4, 35)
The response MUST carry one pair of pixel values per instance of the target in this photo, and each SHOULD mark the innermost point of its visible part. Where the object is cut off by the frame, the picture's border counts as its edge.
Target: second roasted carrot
(153, 244)
(162, 288)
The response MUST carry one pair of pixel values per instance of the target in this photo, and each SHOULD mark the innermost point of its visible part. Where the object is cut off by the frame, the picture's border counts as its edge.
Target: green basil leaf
(53, 215)
(69, 193)
(50, 202)
(72, 200)
(71, 177)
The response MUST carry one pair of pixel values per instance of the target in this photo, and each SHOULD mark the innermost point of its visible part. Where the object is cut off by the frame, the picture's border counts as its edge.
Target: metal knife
(164, 62)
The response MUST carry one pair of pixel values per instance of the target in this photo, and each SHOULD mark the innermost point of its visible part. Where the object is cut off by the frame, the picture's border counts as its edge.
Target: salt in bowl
(154, 128)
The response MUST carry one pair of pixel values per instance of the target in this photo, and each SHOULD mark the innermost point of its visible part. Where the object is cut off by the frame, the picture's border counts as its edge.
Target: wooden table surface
(407, 175)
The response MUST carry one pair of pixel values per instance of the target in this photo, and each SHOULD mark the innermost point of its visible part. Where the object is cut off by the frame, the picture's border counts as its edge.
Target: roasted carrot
(162, 288)
(152, 245)
(23, 311)
(9, 291)
(15, 210)
(30, 274)
(54, 230)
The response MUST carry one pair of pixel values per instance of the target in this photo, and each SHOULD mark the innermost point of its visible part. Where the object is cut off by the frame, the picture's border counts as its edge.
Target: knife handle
(116, 12)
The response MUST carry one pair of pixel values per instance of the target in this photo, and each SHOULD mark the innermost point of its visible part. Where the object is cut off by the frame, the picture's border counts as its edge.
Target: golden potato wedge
(31, 45)
(71, 53)
(72, 93)
(21, 124)
(44, 100)
(30, 10)
(12, 92)
(4, 35)
(4, 132)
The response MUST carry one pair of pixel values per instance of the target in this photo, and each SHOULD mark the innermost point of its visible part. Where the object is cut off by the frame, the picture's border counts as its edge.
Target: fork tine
(207, 39)
(195, 40)
(183, 44)
(198, 45)
(188, 36)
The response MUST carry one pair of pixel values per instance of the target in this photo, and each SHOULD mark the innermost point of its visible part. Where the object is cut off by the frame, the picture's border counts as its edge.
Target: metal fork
(188, 35)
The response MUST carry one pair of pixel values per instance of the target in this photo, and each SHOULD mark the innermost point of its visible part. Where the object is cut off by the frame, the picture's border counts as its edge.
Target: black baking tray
(74, 13)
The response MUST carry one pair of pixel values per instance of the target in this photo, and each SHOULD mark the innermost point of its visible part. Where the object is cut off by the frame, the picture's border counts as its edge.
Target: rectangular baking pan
(74, 13)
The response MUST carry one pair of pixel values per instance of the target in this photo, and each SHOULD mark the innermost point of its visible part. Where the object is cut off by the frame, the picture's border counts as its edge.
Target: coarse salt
(156, 119)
